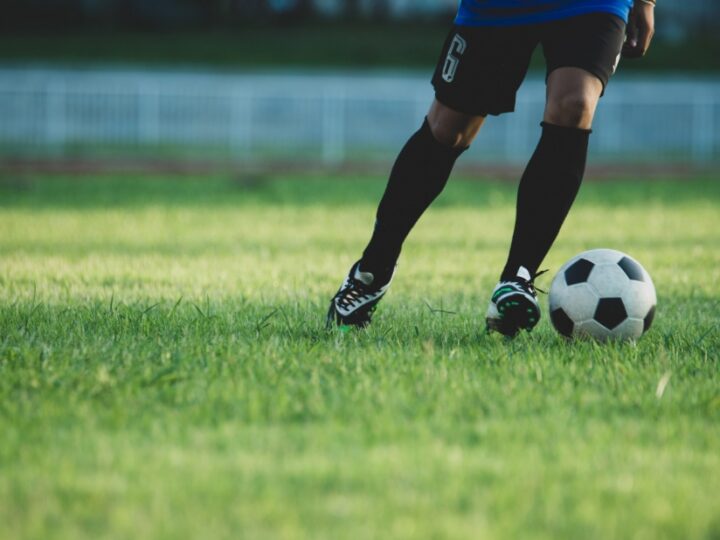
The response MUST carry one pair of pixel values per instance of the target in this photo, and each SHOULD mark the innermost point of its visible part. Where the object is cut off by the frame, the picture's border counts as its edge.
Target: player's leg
(582, 53)
(572, 98)
(419, 175)
(478, 73)
(552, 178)
(547, 190)
(417, 178)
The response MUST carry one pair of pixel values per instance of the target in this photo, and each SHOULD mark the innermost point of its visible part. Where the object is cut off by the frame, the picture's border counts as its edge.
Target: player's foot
(357, 298)
(513, 305)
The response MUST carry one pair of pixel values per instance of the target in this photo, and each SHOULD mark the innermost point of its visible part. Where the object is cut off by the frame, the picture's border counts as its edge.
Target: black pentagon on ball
(647, 321)
(632, 269)
(610, 312)
(562, 322)
(578, 271)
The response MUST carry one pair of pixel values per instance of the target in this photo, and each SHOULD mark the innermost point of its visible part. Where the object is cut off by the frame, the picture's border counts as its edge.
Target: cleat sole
(516, 315)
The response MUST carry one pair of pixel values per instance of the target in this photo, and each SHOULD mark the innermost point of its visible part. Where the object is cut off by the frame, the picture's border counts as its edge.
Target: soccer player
(483, 62)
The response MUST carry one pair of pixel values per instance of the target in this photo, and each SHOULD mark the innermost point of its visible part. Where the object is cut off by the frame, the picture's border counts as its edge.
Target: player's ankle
(513, 271)
(382, 271)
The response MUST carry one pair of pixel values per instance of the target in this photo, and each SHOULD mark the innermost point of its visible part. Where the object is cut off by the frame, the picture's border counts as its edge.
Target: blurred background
(308, 83)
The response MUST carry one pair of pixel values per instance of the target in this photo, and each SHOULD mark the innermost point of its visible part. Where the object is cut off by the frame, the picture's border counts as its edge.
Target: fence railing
(327, 118)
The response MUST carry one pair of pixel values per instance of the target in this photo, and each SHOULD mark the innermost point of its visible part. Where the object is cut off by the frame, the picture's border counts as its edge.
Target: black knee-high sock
(547, 190)
(419, 175)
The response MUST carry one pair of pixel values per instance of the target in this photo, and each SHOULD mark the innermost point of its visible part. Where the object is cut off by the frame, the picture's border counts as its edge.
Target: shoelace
(353, 294)
(531, 283)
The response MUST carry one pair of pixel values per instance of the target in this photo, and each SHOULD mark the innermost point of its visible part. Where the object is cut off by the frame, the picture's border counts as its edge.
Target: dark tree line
(62, 14)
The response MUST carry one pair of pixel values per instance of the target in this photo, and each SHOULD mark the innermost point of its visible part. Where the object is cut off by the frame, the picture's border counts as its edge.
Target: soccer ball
(603, 294)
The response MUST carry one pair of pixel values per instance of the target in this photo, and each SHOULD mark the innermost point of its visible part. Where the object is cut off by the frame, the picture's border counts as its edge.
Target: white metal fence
(328, 118)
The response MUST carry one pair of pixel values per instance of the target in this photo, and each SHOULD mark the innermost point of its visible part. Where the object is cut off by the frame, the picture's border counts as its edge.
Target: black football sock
(419, 175)
(546, 192)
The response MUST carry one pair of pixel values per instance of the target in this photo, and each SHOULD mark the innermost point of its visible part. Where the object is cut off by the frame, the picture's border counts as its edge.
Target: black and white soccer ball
(603, 294)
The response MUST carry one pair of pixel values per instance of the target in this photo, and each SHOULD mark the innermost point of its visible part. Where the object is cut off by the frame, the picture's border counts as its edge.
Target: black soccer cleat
(356, 300)
(513, 305)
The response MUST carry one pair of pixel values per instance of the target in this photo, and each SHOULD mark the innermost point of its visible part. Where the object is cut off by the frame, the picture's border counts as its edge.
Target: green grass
(413, 45)
(164, 372)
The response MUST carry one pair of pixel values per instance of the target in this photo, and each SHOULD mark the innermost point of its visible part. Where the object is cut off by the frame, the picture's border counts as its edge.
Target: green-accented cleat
(513, 305)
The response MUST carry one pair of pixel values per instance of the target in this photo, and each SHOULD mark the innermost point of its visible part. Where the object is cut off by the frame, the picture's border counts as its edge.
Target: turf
(164, 372)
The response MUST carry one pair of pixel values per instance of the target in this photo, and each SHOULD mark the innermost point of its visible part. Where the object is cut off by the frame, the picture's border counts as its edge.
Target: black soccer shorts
(481, 67)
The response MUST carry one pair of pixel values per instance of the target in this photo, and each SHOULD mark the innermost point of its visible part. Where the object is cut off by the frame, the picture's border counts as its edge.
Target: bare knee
(571, 109)
(572, 96)
(451, 128)
(450, 136)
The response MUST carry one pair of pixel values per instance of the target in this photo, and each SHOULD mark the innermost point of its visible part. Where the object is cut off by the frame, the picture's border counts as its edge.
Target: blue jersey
(512, 12)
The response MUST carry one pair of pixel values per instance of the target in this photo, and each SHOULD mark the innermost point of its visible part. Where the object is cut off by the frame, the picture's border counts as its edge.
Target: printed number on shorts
(457, 47)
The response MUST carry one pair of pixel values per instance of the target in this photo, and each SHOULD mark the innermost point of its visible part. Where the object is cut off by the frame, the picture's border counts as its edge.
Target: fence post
(241, 122)
(333, 126)
(149, 114)
(702, 128)
(517, 128)
(421, 108)
(55, 105)
(608, 139)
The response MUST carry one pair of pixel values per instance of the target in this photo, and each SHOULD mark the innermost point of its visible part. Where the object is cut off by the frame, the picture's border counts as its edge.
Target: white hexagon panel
(604, 294)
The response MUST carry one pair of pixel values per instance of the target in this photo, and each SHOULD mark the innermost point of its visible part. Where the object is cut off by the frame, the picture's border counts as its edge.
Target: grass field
(164, 372)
